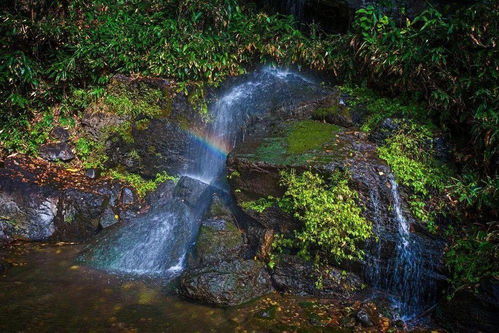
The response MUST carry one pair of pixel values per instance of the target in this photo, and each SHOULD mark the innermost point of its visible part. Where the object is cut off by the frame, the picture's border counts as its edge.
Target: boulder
(60, 134)
(57, 152)
(470, 311)
(191, 191)
(227, 283)
(218, 240)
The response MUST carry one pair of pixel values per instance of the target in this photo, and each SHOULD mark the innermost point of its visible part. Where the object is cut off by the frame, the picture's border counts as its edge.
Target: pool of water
(45, 290)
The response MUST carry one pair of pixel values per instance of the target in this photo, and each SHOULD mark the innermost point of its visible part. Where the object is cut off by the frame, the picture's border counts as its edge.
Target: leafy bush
(333, 225)
(473, 257)
(451, 63)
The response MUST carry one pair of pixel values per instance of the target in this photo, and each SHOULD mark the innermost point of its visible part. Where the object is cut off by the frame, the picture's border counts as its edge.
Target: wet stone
(57, 152)
(92, 173)
(127, 196)
(363, 317)
(60, 133)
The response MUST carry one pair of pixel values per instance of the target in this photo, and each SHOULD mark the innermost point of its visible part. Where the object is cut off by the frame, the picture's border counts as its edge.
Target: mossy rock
(218, 240)
(295, 143)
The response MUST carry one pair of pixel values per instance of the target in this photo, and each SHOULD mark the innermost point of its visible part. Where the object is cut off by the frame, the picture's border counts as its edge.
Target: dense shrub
(333, 225)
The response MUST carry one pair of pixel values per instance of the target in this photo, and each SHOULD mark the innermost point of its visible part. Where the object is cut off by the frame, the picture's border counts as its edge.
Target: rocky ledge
(41, 201)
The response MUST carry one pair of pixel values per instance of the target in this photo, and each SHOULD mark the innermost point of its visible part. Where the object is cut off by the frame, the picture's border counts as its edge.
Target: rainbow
(215, 145)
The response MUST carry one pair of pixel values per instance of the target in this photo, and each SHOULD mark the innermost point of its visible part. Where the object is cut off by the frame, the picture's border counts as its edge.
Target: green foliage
(409, 155)
(476, 192)
(379, 108)
(260, 204)
(450, 63)
(333, 225)
(141, 185)
(24, 136)
(473, 256)
(141, 101)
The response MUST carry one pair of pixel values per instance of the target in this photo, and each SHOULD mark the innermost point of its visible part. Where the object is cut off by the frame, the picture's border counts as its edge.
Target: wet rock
(386, 129)
(363, 317)
(127, 196)
(191, 191)
(254, 167)
(27, 211)
(470, 311)
(294, 275)
(335, 110)
(162, 194)
(108, 218)
(57, 152)
(78, 214)
(218, 240)
(52, 210)
(227, 283)
(218, 208)
(60, 134)
(92, 173)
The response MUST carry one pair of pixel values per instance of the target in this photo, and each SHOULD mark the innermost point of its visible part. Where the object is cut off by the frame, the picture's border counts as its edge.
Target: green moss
(296, 144)
(134, 102)
(335, 109)
(308, 135)
(143, 186)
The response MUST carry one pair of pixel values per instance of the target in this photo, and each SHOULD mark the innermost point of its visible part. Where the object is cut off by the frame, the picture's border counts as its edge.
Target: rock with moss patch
(294, 275)
(325, 148)
(227, 283)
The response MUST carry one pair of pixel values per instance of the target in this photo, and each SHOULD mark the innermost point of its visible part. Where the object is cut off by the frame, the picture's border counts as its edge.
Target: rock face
(254, 167)
(468, 311)
(42, 202)
(144, 142)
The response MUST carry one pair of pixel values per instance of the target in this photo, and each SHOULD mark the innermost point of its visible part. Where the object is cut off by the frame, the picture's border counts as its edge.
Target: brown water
(44, 290)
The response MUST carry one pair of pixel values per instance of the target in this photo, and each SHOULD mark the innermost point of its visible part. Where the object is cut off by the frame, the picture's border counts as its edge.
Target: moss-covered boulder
(254, 166)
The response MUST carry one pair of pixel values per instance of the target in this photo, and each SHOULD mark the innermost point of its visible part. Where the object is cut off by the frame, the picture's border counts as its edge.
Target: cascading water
(408, 272)
(156, 242)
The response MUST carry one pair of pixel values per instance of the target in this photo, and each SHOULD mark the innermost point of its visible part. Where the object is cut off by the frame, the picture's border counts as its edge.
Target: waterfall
(156, 242)
(402, 264)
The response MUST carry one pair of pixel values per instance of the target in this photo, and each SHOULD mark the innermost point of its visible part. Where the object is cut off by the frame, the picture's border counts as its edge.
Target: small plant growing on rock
(333, 225)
